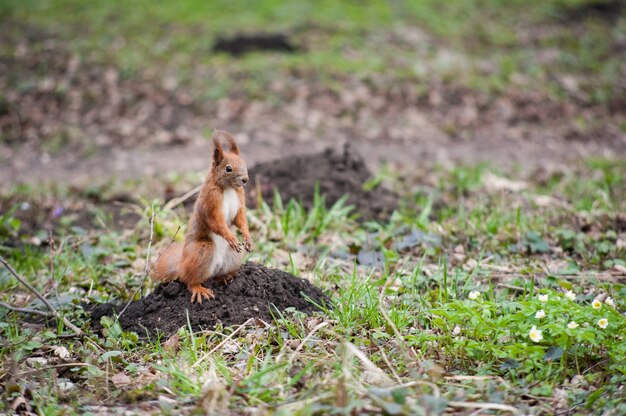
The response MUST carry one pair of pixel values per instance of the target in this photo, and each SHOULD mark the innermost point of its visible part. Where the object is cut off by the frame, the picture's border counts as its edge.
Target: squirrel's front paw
(247, 243)
(234, 244)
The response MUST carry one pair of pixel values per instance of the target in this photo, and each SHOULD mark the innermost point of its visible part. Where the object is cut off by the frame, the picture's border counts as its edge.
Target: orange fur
(200, 258)
(166, 267)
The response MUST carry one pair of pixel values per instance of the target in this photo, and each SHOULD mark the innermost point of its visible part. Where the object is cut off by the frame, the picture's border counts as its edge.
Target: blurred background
(122, 89)
(492, 143)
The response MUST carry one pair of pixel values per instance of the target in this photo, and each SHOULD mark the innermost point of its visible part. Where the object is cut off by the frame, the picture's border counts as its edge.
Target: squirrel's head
(229, 170)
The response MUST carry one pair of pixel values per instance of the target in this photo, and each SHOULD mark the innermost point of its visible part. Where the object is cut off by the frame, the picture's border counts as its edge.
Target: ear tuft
(233, 148)
(218, 152)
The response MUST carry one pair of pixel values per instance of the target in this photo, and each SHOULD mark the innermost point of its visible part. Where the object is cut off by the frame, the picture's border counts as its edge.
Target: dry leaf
(619, 268)
(498, 183)
(20, 405)
(36, 362)
(231, 347)
(61, 352)
(120, 380)
(172, 344)
(312, 322)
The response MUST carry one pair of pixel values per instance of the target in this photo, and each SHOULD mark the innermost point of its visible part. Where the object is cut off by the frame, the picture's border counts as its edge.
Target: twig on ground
(175, 201)
(433, 386)
(148, 266)
(486, 406)
(571, 409)
(599, 363)
(516, 288)
(51, 367)
(367, 363)
(52, 309)
(479, 378)
(386, 360)
(25, 310)
(306, 401)
(304, 341)
(224, 341)
(570, 276)
(53, 253)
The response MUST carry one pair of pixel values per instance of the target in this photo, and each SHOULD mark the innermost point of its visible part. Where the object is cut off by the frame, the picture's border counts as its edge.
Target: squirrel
(211, 249)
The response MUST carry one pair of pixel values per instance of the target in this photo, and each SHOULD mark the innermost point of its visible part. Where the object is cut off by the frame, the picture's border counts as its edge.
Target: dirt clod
(241, 44)
(251, 294)
(337, 173)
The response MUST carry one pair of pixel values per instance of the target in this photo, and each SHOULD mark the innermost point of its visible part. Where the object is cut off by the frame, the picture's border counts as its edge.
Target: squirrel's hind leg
(195, 269)
(226, 278)
(166, 268)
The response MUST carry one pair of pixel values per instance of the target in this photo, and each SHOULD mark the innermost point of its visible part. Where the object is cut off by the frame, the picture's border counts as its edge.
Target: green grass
(405, 336)
(444, 322)
(343, 38)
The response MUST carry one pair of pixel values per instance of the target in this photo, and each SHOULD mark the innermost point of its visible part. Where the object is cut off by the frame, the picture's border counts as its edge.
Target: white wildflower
(570, 295)
(474, 294)
(542, 298)
(609, 301)
(535, 334)
(603, 323)
(572, 325)
(596, 304)
(540, 314)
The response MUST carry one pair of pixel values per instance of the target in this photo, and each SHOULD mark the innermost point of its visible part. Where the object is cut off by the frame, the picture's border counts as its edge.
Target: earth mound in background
(243, 43)
(337, 173)
(256, 292)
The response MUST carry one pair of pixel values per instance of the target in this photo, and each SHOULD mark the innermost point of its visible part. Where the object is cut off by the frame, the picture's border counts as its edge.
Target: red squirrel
(211, 249)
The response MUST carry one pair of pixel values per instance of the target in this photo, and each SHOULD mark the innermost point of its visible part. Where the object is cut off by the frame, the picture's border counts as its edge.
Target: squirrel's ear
(231, 142)
(233, 148)
(218, 153)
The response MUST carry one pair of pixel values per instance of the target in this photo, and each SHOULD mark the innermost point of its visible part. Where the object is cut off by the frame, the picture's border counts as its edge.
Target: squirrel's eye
(229, 168)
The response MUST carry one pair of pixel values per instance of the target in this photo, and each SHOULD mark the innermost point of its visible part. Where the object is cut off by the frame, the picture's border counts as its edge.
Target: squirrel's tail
(166, 267)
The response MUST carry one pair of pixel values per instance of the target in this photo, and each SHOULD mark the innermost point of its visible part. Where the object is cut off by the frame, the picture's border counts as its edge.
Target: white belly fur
(230, 205)
(226, 260)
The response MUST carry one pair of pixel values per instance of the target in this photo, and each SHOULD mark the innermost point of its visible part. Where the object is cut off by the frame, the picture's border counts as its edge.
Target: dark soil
(250, 295)
(241, 44)
(336, 173)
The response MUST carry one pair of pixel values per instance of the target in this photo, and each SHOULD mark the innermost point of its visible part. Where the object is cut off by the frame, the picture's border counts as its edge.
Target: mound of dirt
(241, 44)
(336, 173)
(255, 292)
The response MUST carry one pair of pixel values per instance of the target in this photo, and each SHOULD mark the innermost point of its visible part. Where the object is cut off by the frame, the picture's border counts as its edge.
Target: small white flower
(572, 325)
(603, 323)
(542, 298)
(570, 295)
(456, 331)
(609, 301)
(596, 304)
(474, 294)
(535, 334)
(540, 314)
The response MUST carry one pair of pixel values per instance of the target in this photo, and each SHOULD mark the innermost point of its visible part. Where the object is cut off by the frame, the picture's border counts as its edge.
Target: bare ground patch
(38, 217)
(64, 119)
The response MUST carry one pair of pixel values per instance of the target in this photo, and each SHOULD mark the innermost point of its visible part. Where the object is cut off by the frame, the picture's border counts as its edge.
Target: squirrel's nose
(244, 179)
